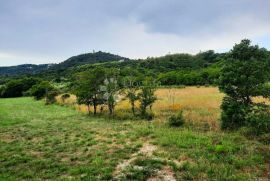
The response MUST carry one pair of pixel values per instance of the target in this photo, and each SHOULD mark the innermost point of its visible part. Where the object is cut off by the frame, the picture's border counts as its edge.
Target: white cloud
(131, 38)
(52, 31)
(10, 59)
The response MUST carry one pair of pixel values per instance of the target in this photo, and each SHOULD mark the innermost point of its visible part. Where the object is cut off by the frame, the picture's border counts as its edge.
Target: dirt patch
(182, 160)
(266, 175)
(114, 147)
(36, 153)
(7, 138)
(146, 150)
(101, 138)
(166, 174)
(37, 140)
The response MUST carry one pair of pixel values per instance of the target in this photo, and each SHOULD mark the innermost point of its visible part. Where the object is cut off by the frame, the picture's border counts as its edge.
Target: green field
(39, 142)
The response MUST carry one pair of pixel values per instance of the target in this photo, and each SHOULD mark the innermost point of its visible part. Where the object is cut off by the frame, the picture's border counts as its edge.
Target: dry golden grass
(201, 105)
(261, 100)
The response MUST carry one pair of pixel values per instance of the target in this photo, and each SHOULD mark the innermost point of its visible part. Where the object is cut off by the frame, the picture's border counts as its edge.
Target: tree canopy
(245, 75)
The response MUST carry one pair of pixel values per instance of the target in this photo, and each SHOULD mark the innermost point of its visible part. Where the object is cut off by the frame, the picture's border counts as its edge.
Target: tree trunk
(95, 106)
(101, 109)
(95, 109)
(143, 109)
(133, 108)
(247, 100)
(110, 109)
(88, 108)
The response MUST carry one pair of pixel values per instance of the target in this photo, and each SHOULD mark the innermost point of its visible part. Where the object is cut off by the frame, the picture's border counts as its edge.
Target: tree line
(104, 86)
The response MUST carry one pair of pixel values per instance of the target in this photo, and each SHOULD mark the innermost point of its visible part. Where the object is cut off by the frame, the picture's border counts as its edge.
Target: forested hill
(89, 58)
(24, 69)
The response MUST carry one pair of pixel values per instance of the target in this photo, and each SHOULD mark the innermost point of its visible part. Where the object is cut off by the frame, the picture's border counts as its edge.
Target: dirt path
(147, 150)
(166, 174)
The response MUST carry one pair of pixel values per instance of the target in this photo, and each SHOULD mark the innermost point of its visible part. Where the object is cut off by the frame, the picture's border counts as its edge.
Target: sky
(50, 31)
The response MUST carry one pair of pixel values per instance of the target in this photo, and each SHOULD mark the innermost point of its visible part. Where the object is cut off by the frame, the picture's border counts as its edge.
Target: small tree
(111, 90)
(146, 97)
(131, 92)
(132, 97)
(88, 88)
(244, 75)
(40, 90)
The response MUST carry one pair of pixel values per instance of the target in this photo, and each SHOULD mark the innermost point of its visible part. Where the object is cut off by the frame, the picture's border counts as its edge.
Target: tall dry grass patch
(201, 105)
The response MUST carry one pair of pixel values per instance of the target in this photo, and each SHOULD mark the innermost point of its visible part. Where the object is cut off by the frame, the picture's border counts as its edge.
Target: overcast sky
(45, 31)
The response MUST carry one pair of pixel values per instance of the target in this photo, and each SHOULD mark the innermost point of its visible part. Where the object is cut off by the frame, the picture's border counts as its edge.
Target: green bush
(148, 116)
(39, 91)
(177, 120)
(259, 119)
(234, 114)
(50, 97)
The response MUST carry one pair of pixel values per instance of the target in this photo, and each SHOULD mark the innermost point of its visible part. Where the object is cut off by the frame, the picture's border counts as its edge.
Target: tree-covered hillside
(89, 58)
(24, 69)
(173, 69)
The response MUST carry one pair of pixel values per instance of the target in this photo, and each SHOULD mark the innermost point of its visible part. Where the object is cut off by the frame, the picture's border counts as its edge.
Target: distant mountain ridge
(24, 69)
(88, 58)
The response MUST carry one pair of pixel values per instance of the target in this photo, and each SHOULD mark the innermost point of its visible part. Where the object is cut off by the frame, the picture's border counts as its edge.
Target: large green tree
(245, 75)
(88, 88)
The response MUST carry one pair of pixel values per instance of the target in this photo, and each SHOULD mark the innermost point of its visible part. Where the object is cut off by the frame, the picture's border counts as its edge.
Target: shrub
(50, 97)
(259, 119)
(39, 91)
(234, 114)
(149, 116)
(176, 120)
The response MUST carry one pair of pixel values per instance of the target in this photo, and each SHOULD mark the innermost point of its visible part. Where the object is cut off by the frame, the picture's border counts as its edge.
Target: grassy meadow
(54, 142)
